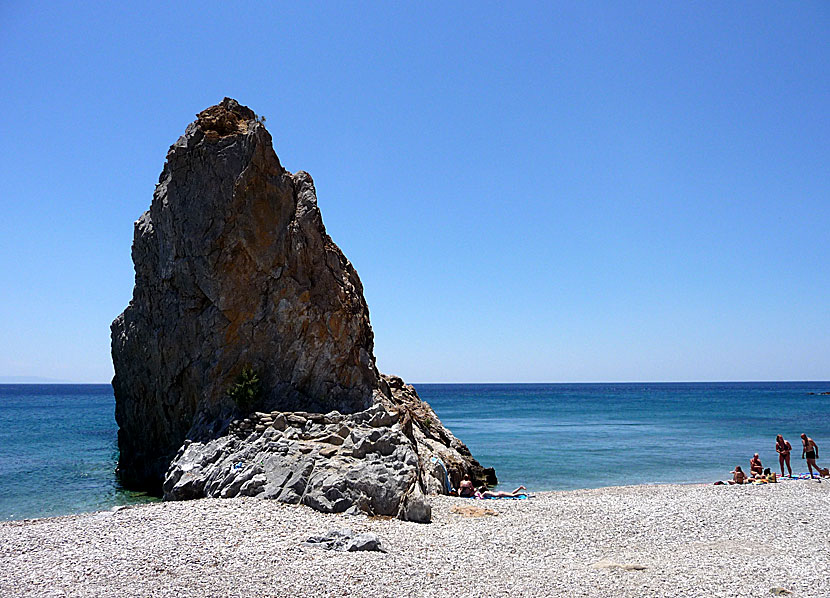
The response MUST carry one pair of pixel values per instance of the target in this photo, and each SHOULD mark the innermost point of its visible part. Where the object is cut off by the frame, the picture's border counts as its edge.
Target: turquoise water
(58, 446)
(58, 450)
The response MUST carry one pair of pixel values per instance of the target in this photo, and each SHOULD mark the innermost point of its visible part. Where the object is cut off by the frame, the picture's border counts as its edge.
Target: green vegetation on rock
(246, 391)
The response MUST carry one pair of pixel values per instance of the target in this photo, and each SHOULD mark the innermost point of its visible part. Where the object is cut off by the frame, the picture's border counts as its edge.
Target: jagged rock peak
(228, 117)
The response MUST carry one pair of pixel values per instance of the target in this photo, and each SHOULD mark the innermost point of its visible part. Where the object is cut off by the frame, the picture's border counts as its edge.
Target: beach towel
(520, 497)
(436, 459)
(799, 476)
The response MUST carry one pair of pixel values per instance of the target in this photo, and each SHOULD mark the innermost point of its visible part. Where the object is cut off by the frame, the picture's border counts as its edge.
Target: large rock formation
(234, 270)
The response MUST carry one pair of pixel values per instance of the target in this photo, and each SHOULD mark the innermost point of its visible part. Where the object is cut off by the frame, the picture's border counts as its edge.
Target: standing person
(810, 451)
(755, 467)
(783, 448)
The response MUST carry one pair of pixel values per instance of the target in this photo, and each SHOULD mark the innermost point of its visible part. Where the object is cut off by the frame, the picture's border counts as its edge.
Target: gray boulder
(345, 540)
(373, 468)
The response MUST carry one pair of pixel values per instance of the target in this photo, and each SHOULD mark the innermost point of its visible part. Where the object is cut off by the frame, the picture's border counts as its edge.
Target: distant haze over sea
(32, 380)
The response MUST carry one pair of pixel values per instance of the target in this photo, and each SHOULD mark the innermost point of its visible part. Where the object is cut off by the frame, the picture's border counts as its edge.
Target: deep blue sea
(58, 447)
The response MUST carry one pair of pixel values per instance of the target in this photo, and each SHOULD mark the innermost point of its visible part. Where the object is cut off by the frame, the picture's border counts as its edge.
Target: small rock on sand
(345, 540)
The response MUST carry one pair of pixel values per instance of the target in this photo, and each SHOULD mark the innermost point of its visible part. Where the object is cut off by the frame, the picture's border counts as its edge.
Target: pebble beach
(663, 540)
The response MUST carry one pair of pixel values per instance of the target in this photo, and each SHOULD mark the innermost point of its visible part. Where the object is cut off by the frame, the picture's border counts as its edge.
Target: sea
(58, 443)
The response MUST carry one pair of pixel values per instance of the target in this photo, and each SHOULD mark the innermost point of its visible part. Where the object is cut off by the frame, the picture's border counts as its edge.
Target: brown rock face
(233, 268)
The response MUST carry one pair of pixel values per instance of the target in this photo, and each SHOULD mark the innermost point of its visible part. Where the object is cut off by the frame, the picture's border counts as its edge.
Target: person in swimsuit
(466, 488)
(483, 492)
(783, 448)
(755, 467)
(738, 476)
(810, 452)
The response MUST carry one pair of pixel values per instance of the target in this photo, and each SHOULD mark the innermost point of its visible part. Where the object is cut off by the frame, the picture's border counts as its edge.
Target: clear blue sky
(529, 192)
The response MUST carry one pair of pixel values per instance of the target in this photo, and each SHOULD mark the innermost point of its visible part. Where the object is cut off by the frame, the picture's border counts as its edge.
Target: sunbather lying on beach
(483, 492)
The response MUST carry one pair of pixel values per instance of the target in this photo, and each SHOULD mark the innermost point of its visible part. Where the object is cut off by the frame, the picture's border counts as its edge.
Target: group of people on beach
(809, 451)
(783, 448)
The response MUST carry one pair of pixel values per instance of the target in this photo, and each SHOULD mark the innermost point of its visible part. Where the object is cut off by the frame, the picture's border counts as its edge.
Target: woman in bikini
(738, 476)
(783, 448)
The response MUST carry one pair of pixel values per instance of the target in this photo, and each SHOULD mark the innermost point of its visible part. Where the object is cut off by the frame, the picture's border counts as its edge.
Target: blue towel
(519, 497)
(438, 460)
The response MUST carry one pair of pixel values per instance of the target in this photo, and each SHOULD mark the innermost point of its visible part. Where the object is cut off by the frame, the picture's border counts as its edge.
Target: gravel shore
(627, 541)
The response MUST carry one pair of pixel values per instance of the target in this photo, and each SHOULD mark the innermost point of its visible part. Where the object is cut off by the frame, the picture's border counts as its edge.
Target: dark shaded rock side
(233, 268)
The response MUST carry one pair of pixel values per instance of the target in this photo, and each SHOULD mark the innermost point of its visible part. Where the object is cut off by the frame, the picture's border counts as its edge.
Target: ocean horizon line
(8, 381)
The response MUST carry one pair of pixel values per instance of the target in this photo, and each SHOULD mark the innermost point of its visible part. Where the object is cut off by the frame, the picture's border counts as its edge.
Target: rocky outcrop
(330, 462)
(444, 458)
(235, 272)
